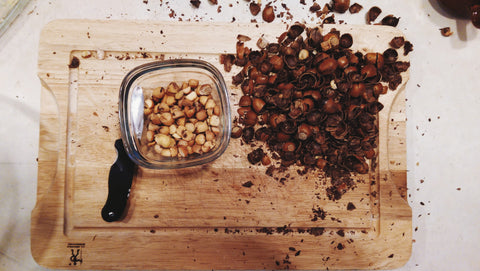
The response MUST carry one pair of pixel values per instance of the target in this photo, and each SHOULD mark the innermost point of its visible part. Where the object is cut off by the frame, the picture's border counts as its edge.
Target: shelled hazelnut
(182, 119)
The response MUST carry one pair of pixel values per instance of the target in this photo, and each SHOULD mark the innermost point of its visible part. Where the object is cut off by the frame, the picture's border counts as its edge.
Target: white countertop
(443, 110)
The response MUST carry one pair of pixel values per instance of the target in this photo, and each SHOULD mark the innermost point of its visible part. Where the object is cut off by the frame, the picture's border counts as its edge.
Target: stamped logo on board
(75, 253)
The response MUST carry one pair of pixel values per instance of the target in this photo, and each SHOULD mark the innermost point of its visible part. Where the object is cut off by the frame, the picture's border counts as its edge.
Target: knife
(119, 184)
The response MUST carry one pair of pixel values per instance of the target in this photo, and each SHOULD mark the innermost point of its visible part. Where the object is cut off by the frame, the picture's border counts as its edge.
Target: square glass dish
(174, 114)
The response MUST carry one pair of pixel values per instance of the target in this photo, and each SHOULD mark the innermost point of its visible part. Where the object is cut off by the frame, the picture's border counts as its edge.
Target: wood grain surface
(202, 217)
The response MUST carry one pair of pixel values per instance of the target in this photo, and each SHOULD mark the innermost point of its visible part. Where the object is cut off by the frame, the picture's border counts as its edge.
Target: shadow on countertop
(461, 23)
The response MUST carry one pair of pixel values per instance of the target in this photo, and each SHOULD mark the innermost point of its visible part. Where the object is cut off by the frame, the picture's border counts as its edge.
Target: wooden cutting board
(198, 218)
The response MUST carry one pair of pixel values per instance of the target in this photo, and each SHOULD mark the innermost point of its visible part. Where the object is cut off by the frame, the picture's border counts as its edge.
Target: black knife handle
(119, 184)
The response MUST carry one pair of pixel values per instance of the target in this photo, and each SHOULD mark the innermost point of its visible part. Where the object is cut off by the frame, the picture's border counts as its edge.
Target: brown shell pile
(313, 100)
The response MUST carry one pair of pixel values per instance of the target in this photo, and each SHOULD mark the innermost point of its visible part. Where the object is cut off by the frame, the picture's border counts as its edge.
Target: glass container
(137, 87)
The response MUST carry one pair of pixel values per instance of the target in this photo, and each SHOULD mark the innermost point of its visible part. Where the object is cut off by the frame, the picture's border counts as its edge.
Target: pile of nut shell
(313, 101)
(182, 120)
